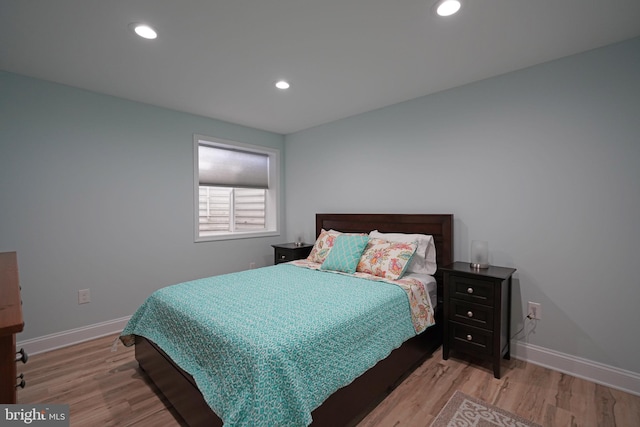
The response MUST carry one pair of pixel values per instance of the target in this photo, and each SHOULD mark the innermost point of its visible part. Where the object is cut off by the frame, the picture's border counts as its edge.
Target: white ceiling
(220, 58)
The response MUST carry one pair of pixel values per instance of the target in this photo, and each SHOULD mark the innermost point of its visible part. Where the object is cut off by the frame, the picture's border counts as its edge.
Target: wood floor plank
(105, 388)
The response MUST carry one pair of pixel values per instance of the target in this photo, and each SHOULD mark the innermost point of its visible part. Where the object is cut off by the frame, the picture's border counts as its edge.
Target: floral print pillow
(323, 245)
(386, 259)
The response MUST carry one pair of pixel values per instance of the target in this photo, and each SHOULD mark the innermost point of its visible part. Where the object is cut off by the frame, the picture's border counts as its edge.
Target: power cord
(524, 324)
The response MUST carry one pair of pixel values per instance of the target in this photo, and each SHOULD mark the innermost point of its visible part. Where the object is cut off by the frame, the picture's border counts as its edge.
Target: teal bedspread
(268, 346)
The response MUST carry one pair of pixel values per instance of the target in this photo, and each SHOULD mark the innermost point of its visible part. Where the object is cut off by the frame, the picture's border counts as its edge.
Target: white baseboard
(72, 336)
(599, 373)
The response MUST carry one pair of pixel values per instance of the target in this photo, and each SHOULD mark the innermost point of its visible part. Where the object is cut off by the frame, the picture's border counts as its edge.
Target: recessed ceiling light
(448, 7)
(282, 84)
(144, 31)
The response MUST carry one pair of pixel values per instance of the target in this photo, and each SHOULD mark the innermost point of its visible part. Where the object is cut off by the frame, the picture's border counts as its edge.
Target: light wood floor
(105, 388)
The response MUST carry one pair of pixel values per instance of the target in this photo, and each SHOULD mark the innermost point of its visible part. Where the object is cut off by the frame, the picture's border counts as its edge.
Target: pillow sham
(386, 259)
(424, 259)
(345, 253)
(323, 245)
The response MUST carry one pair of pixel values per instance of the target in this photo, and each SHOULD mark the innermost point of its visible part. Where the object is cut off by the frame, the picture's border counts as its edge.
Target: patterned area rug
(463, 410)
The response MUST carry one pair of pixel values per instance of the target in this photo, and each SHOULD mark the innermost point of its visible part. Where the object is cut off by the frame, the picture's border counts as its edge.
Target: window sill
(236, 235)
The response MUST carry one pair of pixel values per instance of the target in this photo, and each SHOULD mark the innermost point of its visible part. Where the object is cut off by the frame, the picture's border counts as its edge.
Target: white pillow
(424, 260)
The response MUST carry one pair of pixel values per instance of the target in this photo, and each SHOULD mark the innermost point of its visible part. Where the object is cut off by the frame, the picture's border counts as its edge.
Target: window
(237, 189)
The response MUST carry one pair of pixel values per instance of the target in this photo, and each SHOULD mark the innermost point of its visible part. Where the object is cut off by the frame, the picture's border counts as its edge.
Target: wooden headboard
(438, 226)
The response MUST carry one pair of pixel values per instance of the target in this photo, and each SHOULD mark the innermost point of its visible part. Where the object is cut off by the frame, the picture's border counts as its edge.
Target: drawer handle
(469, 337)
(283, 256)
(22, 356)
(469, 313)
(469, 290)
(22, 382)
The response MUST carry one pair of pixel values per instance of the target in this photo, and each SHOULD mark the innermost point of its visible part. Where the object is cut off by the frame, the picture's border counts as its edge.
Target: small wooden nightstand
(477, 312)
(290, 251)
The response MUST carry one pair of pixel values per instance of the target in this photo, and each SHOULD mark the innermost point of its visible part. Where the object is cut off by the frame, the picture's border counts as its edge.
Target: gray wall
(543, 163)
(97, 192)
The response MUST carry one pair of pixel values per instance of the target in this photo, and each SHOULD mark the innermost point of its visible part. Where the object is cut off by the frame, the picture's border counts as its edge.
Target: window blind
(217, 206)
(223, 167)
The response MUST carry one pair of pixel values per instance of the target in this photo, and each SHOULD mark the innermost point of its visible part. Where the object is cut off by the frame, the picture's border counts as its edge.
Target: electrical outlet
(84, 296)
(535, 310)
(252, 265)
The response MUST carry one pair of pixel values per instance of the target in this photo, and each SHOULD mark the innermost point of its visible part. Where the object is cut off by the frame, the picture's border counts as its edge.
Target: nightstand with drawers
(290, 251)
(477, 312)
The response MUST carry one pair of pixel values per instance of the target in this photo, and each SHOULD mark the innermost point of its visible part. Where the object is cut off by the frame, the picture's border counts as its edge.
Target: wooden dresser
(11, 323)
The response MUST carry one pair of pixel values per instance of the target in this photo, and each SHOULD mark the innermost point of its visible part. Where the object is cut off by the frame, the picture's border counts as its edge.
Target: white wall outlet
(252, 265)
(534, 311)
(84, 296)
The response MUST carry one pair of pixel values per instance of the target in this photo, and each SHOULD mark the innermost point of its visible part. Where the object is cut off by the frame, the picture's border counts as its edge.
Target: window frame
(272, 201)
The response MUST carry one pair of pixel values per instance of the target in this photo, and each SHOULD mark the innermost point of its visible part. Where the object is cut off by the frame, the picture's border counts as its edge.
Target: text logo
(34, 415)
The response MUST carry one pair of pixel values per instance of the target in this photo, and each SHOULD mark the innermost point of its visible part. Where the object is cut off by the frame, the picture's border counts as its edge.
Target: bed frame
(347, 406)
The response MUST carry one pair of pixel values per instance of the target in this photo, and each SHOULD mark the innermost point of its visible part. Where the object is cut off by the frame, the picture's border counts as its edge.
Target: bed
(351, 402)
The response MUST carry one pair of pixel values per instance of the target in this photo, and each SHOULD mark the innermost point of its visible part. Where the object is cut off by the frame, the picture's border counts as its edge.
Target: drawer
(284, 255)
(469, 339)
(471, 314)
(470, 289)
